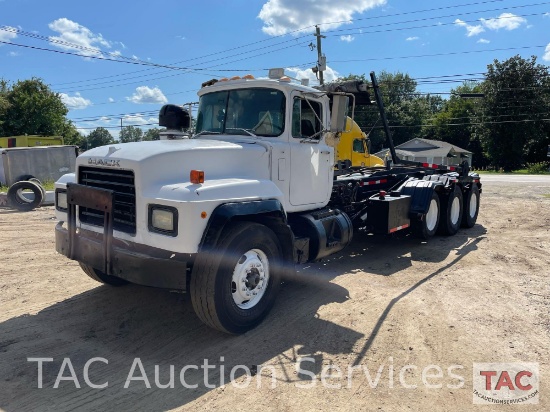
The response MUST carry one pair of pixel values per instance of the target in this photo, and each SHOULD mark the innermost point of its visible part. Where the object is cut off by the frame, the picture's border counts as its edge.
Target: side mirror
(339, 113)
(174, 117)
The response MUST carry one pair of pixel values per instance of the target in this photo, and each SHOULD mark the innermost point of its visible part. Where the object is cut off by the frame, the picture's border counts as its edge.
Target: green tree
(71, 136)
(406, 109)
(516, 102)
(30, 107)
(152, 134)
(4, 104)
(131, 134)
(99, 137)
(453, 124)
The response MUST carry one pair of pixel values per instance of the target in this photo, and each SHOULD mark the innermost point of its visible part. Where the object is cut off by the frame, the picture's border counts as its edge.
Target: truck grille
(124, 207)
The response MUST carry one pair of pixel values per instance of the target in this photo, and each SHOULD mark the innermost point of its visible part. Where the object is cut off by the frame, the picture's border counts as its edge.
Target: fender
(421, 194)
(269, 212)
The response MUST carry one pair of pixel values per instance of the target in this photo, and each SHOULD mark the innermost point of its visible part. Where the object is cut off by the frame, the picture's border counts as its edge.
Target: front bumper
(143, 265)
(134, 262)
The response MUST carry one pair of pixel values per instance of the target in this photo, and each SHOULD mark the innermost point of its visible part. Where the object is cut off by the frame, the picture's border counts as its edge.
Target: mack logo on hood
(104, 162)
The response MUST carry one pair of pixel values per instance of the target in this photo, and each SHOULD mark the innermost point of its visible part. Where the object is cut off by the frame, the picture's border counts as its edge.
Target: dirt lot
(480, 296)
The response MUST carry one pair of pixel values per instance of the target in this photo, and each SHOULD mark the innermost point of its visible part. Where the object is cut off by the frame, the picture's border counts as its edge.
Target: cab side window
(359, 146)
(305, 118)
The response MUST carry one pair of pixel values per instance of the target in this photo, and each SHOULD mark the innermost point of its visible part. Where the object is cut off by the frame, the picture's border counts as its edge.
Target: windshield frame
(250, 111)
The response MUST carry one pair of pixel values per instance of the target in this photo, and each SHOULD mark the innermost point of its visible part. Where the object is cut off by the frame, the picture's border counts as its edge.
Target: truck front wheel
(234, 285)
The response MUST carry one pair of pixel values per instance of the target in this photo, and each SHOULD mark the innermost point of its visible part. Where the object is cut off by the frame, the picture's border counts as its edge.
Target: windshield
(259, 112)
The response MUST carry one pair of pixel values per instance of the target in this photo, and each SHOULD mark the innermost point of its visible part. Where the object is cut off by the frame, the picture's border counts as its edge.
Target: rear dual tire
(427, 226)
(451, 212)
(471, 207)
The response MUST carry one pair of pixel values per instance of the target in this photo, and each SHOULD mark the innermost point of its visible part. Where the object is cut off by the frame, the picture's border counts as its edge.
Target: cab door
(310, 158)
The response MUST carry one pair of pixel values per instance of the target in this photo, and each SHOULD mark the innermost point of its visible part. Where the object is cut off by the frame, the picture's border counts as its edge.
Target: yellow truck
(354, 146)
(30, 141)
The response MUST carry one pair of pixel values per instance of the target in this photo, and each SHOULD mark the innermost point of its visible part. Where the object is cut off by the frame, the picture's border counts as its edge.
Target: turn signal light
(197, 177)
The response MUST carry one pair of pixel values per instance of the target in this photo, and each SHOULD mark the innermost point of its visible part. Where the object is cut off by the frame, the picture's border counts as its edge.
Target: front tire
(234, 285)
(451, 212)
(101, 277)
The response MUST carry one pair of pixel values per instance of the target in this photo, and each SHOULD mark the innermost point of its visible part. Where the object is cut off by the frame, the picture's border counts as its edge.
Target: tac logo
(506, 383)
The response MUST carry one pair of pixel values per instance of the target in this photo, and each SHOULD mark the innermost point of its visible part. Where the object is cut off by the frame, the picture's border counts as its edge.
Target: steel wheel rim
(250, 279)
(455, 210)
(431, 216)
(473, 205)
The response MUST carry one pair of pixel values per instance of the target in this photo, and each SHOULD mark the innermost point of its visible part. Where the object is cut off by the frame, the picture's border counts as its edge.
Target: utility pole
(321, 59)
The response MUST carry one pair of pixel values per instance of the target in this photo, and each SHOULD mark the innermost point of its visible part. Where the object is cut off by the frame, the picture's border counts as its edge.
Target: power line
(303, 28)
(439, 54)
(442, 17)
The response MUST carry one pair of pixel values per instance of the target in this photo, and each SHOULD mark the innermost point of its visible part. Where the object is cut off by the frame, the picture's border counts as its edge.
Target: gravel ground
(368, 312)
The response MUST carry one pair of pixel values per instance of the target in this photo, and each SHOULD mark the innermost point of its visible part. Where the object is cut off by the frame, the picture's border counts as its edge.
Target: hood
(172, 160)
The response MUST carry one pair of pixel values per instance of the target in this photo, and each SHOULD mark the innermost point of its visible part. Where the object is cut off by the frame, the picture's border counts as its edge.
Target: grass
(48, 185)
(515, 172)
(546, 195)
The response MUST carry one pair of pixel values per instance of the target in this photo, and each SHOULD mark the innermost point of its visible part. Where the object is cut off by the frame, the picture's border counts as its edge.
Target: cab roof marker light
(276, 73)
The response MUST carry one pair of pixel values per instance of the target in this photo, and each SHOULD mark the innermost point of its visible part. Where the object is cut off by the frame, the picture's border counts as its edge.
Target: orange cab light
(224, 79)
(235, 78)
(285, 79)
(196, 177)
(248, 77)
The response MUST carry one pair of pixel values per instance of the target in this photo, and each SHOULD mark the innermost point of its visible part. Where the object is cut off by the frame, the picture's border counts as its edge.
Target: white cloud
(328, 75)
(546, 14)
(546, 56)
(412, 38)
(145, 94)
(8, 35)
(111, 100)
(484, 41)
(349, 38)
(75, 102)
(76, 38)
(137, 120)
(507, 21)
(13, 54)
(470, 30)
(283, 16)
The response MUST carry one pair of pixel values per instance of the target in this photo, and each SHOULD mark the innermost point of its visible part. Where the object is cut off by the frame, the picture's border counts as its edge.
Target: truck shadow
(388, 255)
(161, 330)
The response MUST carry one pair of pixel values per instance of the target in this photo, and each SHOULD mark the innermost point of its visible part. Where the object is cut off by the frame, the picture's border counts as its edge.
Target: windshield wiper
(206, 132)
(241, 129)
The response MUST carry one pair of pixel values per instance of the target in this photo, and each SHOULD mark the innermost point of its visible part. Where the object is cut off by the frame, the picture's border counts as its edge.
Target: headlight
(163, 219)
(61, 200)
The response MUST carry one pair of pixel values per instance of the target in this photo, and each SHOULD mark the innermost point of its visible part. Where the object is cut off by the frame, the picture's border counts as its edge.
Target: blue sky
(200, 40)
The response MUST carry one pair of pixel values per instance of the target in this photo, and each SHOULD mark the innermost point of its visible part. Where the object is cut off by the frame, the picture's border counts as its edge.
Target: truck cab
(211, 214)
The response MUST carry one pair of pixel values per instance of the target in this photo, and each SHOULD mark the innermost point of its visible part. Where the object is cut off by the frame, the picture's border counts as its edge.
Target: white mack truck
(227, 214)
